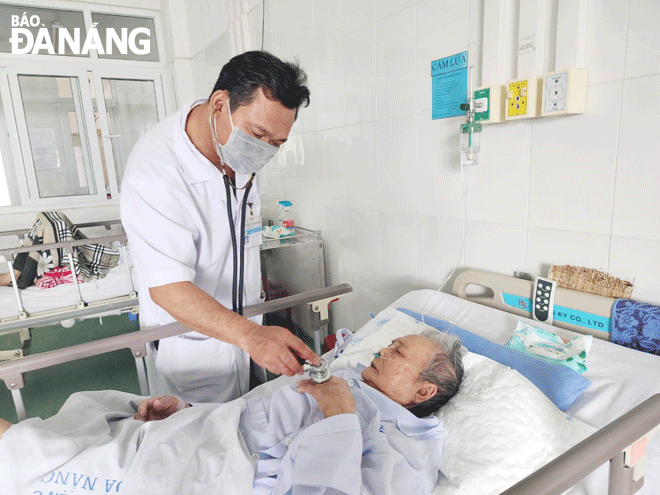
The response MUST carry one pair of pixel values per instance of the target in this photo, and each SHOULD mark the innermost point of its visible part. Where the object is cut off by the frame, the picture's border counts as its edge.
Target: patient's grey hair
(444, 369)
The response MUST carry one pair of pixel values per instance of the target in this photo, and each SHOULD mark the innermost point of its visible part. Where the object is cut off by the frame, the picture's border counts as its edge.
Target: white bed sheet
(37, 300)
(621, 378)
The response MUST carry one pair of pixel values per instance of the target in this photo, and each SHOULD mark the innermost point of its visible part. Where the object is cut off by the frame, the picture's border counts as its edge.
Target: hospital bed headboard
(574, 310)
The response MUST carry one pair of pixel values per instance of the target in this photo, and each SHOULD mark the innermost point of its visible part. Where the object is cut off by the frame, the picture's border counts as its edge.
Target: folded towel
(636, 325)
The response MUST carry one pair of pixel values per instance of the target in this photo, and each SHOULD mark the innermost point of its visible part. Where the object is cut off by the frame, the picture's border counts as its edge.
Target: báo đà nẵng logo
(23, 41)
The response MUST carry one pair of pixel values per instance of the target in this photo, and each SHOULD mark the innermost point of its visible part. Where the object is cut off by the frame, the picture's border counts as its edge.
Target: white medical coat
(383, 449)
(174, 211)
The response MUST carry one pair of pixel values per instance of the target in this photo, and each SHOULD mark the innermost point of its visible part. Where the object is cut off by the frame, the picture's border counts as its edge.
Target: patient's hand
(161, 407)
(333, 396)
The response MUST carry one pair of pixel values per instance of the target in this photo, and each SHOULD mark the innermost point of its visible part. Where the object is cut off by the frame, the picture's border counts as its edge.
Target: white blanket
(92, 446)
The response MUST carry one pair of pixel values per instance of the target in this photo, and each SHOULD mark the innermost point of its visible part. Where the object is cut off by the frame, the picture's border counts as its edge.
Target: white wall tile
(304, 165)
(547, 247)
(396, 63)
(438, 185)
(440, 242)
(398, 179)
(290, 30)
(571, 182)
(398, 248)
(363, 247)
(637, 261)
(328, 87)
(327, 19)
(495, 247)
(643, 45)
(606, 40)
(361, 88)
(368, 300)
(385, 8)
(498, 188)
(336, 235)
(356, 14)
(363, 166)
(309, 215)
(637, 192)
(342, 312)
(336, 168)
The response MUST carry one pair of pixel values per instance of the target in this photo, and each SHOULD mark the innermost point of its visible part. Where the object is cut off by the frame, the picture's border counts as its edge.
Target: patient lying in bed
(362, 430)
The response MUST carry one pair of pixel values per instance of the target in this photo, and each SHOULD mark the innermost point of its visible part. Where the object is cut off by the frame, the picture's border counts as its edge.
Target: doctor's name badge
(55, 40)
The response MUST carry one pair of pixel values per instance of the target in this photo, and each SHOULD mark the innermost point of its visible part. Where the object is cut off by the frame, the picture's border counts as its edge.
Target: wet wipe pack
(550, 347)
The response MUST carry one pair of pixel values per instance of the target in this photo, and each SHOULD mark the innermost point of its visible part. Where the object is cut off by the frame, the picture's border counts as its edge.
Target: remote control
(544, 299)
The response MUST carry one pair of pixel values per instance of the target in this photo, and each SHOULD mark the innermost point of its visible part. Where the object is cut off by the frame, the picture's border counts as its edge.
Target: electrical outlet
(564, 92)
(523, 98)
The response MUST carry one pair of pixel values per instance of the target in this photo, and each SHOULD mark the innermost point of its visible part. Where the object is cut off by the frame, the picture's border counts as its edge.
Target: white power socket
(564, 92)
(555, 93)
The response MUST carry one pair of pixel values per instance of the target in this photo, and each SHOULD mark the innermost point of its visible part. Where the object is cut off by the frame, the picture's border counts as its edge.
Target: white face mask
(245, 154)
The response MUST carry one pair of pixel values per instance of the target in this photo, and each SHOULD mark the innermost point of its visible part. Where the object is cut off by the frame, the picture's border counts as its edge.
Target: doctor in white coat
(186, 184)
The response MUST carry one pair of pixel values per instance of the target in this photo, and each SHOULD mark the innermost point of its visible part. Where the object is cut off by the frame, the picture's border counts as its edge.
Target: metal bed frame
(24, 321)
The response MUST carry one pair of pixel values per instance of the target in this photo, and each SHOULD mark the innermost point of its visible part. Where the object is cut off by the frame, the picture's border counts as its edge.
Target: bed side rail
(12, 372)
(623, 443)
(66, 245)
(574, 310)
(103, 223)
(8, 254)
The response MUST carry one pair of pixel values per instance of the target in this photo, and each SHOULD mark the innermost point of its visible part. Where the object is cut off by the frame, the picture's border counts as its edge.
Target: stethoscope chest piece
(320, 373)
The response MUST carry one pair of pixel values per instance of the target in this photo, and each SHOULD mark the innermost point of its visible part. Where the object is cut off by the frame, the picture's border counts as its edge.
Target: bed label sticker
(563, 314)
(518, 302)
(582, 319)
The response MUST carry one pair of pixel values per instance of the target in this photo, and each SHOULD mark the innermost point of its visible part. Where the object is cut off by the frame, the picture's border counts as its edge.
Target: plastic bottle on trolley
(285, 217)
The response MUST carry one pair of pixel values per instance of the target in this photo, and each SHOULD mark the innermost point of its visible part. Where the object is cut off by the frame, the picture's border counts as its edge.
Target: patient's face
(396, 373)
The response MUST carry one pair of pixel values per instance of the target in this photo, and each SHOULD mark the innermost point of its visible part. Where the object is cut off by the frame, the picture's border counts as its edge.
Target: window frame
(135, 75)
(68, 66)
(86, 114)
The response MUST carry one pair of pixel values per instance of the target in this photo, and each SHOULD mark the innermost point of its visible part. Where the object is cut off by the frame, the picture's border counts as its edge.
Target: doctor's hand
(277, 350)
(155, 408)
(332, 396)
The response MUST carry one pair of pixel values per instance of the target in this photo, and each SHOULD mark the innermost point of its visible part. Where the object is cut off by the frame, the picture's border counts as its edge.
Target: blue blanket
(636, 325)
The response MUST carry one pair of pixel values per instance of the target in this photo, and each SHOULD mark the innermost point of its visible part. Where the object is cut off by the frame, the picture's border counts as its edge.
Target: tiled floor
(46, 390)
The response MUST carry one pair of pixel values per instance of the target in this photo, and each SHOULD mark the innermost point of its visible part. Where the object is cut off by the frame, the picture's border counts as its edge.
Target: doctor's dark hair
(445, 370)
(281, 81)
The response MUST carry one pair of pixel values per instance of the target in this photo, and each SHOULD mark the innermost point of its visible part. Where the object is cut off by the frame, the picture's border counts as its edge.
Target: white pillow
(498, 428)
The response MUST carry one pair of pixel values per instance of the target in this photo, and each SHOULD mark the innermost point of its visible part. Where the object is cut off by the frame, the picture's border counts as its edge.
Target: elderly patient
(366, 430)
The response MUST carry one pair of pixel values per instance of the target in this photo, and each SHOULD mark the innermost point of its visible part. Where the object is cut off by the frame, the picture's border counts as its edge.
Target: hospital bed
(606, 438)
(24, 309)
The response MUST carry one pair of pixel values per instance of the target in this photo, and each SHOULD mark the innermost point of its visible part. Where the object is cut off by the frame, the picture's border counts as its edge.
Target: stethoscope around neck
(238, 246)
